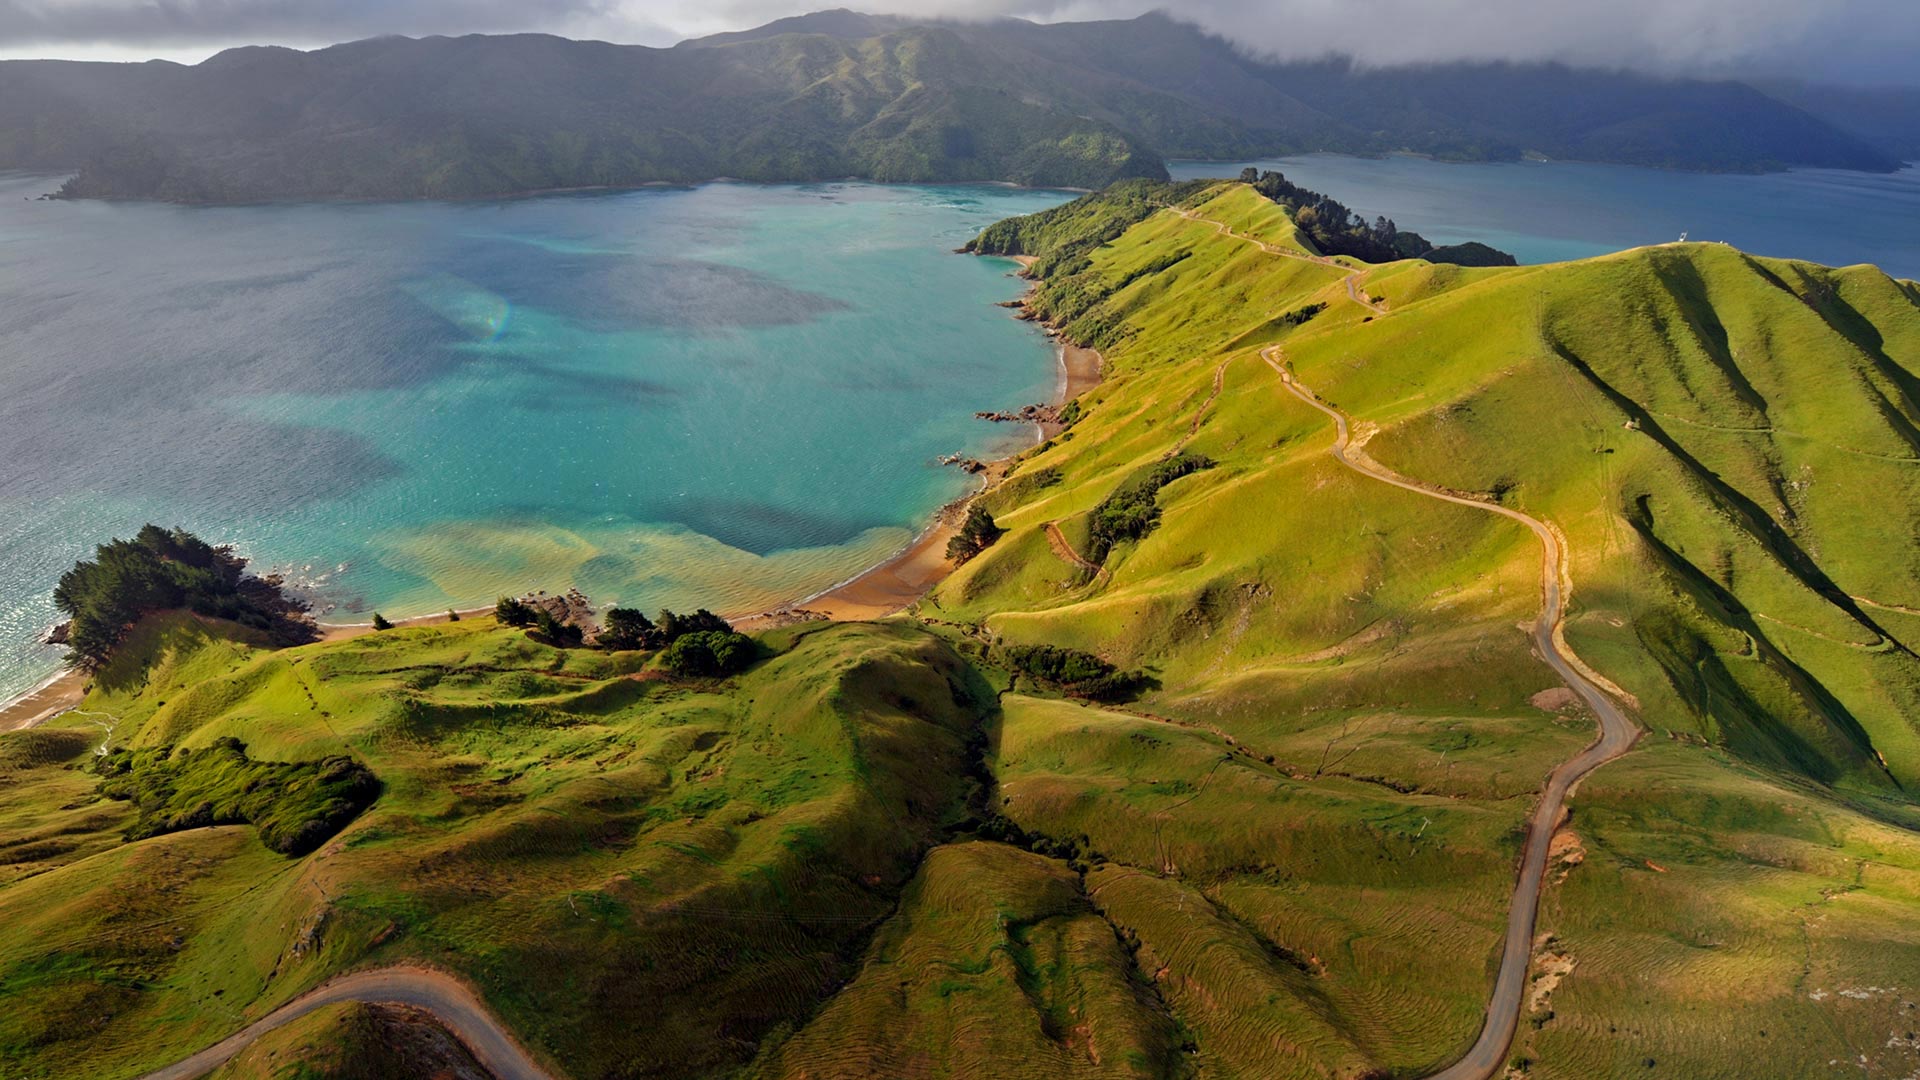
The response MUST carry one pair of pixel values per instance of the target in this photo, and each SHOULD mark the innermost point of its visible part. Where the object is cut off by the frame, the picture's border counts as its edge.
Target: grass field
(881, 852)
(582, 844)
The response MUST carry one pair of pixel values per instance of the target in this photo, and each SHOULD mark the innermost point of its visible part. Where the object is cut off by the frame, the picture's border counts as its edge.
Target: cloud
(1832, 38)
(173, 28)
(1855, 40)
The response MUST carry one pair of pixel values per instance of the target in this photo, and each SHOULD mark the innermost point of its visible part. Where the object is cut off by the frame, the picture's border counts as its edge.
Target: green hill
(883, 851)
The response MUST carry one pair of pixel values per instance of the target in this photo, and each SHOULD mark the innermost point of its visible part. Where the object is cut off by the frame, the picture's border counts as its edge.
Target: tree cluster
(1301, 315)
(1078, 674)
(708, 653)
(1133, 510)
(625, 629)
(977, 534)
(629, 628)
(161, 570)
(1336, 230)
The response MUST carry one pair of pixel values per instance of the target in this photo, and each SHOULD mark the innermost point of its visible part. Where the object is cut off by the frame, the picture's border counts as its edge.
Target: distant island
(840, 94)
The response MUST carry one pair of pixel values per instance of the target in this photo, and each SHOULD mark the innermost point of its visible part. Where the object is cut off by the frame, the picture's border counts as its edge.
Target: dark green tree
(159, 570)
(708, 653)
(673, 627)
(628, 628)
(511, 612)
(977, 534)
(380, 622)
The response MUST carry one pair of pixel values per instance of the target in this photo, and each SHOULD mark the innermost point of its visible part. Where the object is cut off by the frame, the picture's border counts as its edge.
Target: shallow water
(725, 396)
(1547, 212)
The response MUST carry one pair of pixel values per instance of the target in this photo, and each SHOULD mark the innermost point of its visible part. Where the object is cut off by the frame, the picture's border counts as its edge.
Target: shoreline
(885, 588)
(66, 689)
(892, 585)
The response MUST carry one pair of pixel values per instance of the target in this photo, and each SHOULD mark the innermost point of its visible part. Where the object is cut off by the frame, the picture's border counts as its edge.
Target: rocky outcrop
(1028, 414)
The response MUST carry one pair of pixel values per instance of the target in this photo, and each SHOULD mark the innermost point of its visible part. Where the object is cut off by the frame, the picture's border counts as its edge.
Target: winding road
(462, 1011)
(451, 1001)
(1617, 735)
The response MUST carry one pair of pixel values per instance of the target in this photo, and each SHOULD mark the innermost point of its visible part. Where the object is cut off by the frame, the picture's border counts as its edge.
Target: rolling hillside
(895, 849)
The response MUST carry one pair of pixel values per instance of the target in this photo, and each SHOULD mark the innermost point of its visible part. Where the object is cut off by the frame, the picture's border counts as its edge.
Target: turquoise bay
(729, 395)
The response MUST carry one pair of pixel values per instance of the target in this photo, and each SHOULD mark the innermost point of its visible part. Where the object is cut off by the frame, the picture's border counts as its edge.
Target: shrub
(1079, 674)
(1299, 316)
(452, 615)
(1132, 511)
(673, 627)
(296, 806)
(977, 534)
(380, 622)
(628, 628)
(512, 612)
(708, 653)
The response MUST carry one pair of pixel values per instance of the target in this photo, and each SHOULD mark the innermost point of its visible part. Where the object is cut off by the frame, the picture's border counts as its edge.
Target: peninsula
(1390, 667)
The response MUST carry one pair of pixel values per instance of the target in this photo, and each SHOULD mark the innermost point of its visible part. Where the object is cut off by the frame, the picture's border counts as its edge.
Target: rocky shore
(1027, 414)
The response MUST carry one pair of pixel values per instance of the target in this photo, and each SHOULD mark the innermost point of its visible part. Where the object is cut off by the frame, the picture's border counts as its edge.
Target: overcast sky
(1843, 40)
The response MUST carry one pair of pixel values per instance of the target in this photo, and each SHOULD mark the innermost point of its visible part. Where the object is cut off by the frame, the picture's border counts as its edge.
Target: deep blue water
(724, 396)
(1547, 212)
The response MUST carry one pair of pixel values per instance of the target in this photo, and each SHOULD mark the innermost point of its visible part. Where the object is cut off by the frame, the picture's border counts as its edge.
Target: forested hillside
(829, 96)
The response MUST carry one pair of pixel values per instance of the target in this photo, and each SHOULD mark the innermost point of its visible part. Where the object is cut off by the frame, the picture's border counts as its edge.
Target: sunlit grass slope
(876, 853)
(588, 847)
(1727, 443)
(1730, 444)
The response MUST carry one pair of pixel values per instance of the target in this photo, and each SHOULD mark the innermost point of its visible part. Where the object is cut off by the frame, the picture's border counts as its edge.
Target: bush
(296, 806)
(1077, 673)
(674, 627)
(452, 615)
(628, 628)
(1132, 511)
(1299, 316)
(977, 534)
(380, 622)
(512, 612)
(708, 653)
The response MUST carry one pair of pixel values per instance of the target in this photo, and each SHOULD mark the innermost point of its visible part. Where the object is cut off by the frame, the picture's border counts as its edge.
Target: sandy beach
(49, 699)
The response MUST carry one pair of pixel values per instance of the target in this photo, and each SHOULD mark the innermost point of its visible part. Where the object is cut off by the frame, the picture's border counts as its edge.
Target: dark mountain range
(1885, 116)
(835, 94)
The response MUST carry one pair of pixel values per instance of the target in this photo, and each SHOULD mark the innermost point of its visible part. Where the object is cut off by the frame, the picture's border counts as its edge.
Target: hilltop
(1283, 842)
(835, 95)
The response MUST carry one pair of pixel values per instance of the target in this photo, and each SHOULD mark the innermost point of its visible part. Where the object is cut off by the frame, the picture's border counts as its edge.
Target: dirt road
(447, 998)
(1353, 276)
(1617, 735)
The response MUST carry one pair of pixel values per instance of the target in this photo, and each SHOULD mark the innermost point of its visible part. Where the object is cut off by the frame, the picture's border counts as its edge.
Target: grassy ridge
(996, 965)
(583, 845)
(1724, 440)
(880, 852)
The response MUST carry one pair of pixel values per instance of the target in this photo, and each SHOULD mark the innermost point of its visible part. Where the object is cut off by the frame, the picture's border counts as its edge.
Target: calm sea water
(726, 396)
(1546, 212)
